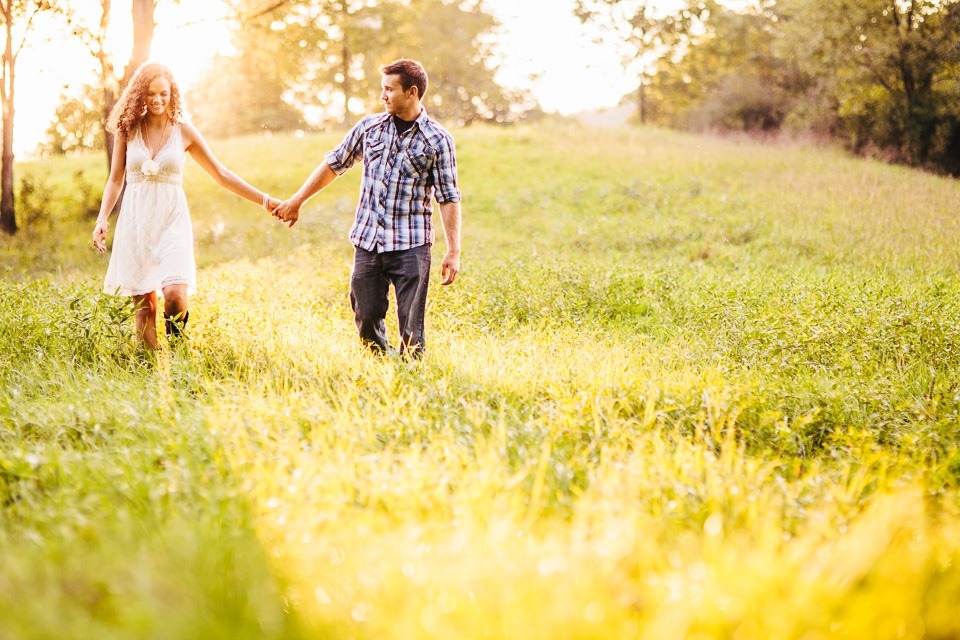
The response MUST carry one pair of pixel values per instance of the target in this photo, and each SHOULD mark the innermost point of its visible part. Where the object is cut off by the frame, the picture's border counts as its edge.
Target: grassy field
(686, 387)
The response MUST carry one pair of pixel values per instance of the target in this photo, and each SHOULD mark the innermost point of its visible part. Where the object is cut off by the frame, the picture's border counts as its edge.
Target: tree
(249, 91)
(77, 125)
(242, 94)
(18, 17)
(890, 67)
(312, 47)
(347, 31)
(733, 74)
(874, 73)
(454, 42)
(143, 25)
(648, 32)
(94, 37)
(333, 68)
(62, 131)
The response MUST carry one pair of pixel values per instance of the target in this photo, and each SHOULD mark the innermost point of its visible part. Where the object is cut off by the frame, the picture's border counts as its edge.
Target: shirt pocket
(372, 152)
(417, 164)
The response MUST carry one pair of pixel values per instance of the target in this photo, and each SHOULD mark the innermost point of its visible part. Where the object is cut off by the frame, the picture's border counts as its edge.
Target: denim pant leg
(369, 287)
(409, 271)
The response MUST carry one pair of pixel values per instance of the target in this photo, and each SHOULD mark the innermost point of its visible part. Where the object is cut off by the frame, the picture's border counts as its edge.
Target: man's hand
(288, 211)
(100, 235)
(450, 216)
(450, 267)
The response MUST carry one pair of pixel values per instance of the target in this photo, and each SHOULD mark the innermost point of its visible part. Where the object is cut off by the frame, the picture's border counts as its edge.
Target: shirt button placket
(388, 169)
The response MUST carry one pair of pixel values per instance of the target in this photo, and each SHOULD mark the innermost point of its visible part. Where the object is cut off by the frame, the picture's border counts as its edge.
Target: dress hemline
(120, 290)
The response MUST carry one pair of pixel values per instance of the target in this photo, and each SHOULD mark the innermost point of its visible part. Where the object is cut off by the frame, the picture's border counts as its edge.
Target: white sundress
(153, 243)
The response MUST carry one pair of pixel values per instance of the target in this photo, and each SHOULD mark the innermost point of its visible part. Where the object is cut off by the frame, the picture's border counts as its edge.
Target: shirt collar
(421, 120)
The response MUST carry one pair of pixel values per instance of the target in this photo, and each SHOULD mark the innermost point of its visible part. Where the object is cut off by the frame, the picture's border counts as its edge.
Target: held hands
(284, 211)
(287, 211)
(100, 235)
(270, 203)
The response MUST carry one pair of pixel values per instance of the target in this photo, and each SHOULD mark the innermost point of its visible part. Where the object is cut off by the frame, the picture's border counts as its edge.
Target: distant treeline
(314, 62)
(882, 77)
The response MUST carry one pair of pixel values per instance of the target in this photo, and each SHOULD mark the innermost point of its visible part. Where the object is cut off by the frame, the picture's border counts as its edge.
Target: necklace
(163, 134)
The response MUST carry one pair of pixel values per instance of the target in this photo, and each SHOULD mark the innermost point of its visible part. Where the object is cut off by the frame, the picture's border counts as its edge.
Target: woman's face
(158, 96)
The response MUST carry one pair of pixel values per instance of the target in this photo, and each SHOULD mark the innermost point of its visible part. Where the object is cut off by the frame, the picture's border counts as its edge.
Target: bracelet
(265, 198)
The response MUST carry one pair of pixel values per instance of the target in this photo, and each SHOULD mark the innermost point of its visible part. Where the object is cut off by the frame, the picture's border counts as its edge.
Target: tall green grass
(685, 387)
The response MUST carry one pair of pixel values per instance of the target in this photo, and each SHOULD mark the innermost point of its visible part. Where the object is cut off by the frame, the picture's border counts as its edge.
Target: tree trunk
(642, 48)
(642, 99)
(346, 83)
(107, 78)
(8, 219)
(143, 26)
(109, 99)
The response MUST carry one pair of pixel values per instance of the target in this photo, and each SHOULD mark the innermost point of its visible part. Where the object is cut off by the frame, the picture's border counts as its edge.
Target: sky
(544, 48)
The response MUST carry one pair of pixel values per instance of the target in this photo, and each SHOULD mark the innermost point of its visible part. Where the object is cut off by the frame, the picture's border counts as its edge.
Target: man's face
(395, 99)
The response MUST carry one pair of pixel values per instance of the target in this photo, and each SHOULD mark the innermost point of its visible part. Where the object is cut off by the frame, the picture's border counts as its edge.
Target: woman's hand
(271, 205)
(100, 235)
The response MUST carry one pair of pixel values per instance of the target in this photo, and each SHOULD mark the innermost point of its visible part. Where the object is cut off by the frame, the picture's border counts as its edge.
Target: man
(407, 160)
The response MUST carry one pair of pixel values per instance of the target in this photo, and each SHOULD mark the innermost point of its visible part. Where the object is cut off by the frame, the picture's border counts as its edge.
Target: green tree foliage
(242, 94)
(94, 37)
(16, 21)
(733, 76)
(336, 70)
(649, 33)
(454, 42)
(77, 125)
(891, 69)
(326, 55)
(876, 74)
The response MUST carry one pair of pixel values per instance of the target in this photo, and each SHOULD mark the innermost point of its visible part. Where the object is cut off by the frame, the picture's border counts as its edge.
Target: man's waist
(398, 213)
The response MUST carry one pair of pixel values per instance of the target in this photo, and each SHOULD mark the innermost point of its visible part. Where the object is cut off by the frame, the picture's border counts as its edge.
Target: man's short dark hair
(411, 72)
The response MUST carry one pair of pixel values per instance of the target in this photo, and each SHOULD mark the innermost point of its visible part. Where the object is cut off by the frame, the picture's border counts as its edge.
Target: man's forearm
(450, 216)
(322, 176)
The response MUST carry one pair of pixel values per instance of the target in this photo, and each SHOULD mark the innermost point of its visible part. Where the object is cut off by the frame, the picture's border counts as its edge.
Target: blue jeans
(373, 273)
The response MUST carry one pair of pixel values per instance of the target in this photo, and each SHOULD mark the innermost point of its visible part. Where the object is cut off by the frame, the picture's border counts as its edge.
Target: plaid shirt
(401, 174)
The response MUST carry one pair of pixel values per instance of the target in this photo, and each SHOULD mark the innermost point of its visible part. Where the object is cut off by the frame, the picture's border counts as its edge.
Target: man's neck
(410, 114)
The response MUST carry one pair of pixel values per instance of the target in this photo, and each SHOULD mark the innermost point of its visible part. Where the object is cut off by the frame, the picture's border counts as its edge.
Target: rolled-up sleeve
(445, 172)
(347, 153)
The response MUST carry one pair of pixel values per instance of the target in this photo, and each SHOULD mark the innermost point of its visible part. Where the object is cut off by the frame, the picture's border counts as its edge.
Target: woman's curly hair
(131, 108)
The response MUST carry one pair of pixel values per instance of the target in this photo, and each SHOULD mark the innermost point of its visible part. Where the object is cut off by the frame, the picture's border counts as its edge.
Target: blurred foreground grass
(685, 388)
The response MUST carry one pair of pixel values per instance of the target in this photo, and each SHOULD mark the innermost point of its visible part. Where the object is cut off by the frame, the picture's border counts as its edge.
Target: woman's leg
(175, 309)
(146, 319)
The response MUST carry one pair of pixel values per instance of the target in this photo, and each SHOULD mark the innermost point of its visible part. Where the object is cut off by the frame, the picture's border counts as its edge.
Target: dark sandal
(175, 327)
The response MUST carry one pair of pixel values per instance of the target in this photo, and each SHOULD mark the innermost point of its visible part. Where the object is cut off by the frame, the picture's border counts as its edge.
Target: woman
(153, 245)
